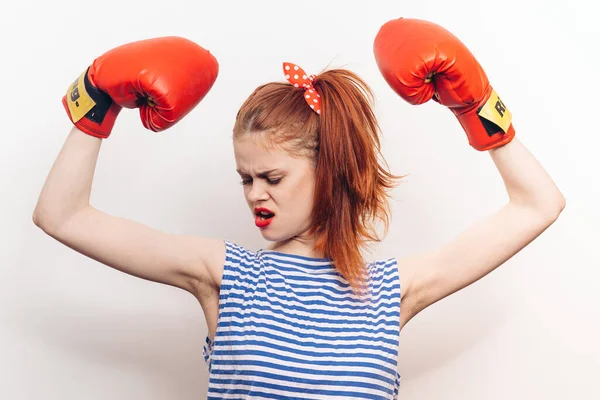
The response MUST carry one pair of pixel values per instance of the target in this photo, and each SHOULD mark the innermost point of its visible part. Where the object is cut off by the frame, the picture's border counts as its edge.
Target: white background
(71, 328)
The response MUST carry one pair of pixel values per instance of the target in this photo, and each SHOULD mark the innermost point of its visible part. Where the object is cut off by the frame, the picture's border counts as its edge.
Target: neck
(297, 246)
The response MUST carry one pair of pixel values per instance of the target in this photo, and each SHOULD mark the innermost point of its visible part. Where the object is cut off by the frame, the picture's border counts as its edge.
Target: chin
(275, 234)
(272, 237)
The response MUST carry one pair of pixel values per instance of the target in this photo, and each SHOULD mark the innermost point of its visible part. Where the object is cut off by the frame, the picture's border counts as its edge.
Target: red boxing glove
(420, 60)
(164, 77)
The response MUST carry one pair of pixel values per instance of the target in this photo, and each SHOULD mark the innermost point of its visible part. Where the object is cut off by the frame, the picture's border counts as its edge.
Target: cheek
(304, 194)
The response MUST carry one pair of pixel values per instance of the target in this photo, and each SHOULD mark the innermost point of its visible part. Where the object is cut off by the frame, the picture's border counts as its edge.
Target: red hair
(351, 181)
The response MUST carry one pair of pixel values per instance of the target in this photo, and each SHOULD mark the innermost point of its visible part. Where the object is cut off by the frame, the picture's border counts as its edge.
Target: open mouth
(264, 215)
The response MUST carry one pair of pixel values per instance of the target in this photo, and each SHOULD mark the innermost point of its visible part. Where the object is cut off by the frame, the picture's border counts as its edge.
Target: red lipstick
(263, 217)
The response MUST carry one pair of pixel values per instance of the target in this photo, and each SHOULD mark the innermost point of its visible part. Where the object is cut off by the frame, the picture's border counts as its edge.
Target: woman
(308, 317)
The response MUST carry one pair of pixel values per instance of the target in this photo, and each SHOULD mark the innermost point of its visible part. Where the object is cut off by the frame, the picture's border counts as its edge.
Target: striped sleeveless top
(290, 328)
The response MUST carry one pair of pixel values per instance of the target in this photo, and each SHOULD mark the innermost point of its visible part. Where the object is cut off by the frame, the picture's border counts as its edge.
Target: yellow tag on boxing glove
(496, 112)
(78, 99)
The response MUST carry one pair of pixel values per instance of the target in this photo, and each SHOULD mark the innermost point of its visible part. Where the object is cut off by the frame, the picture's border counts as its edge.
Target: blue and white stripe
(291, 328)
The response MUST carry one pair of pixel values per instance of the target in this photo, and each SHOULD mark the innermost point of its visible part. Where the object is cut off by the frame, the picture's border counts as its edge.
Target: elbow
(559, 205)
(52, 221)
(562, 203)
(37, 216)
(545, 211)
(41, 219)
(36, 220)
(547, 204)
(552, 208)
(45, 220)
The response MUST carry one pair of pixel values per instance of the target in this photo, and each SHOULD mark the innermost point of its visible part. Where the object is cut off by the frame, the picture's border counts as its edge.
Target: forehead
(252, 156)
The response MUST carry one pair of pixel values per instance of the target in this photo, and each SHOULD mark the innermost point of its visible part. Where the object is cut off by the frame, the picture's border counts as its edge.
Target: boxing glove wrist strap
(90, 109)
(489, 125)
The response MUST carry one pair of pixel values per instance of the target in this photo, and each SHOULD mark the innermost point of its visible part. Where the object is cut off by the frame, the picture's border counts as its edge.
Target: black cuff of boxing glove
(490, 128)
(103, 101)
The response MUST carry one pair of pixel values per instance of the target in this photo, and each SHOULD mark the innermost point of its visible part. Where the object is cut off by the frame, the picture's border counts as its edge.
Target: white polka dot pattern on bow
(297, 77)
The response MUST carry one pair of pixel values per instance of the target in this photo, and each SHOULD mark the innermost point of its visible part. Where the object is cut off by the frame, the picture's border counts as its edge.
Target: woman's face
(280, 184)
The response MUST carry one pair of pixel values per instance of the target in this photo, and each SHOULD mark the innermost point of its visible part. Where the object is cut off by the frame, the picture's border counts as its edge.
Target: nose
(257, 192)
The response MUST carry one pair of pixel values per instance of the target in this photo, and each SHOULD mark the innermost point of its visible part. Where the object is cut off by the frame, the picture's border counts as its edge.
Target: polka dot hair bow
(297, 77)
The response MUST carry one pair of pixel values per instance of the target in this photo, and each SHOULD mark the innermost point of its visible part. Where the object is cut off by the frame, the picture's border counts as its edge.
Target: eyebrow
(261, 174)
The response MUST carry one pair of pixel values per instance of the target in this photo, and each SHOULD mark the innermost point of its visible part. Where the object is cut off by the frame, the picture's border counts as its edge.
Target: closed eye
(272, 182)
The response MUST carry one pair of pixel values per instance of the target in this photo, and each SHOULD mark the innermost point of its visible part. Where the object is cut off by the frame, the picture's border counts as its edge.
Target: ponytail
(351, 182)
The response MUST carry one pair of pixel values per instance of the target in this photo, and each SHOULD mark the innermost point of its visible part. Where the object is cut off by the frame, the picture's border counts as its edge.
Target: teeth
(264, 215)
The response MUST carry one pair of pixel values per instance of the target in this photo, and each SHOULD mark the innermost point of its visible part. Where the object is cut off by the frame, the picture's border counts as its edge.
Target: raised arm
(422, 61)
(63, 211)
(93, 102)
(534, 204)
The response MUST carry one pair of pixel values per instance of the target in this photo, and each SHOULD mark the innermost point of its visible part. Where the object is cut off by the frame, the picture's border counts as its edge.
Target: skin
(287, 191)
